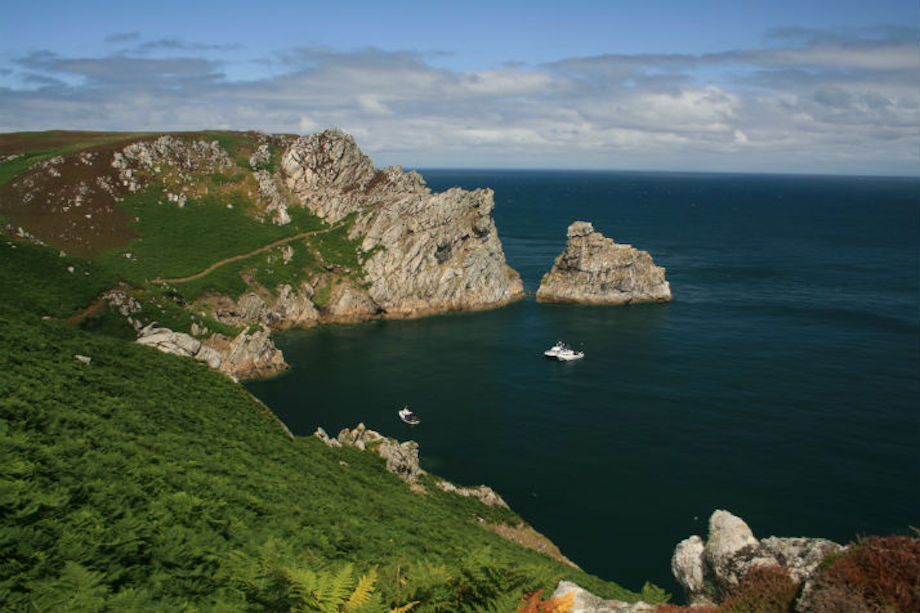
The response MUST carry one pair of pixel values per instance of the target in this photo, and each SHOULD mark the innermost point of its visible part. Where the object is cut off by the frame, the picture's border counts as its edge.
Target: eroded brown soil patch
(71, 202)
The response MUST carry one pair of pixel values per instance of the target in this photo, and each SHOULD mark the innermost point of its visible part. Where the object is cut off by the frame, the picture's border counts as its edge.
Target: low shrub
(765, 589)
(879, 573)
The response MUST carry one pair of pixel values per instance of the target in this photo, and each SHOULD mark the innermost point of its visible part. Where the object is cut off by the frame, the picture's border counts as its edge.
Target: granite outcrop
(711, 570)
(402, 459)
(424, 252)
(583, 601)
(249, 354)
(594, 269)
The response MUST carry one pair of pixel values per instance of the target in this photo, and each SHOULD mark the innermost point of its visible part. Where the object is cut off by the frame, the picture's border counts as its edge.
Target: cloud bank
(810, 101)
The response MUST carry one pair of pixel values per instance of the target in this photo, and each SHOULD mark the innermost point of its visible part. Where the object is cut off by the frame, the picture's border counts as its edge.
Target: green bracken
(142, 481)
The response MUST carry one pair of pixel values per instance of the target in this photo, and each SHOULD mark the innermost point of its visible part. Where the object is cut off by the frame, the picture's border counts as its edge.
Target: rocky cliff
(429, 253)
(594, 269)
(419, 252)
(351, 242)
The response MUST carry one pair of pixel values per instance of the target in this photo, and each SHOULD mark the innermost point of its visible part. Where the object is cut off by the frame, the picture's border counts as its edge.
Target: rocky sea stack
(595, 269)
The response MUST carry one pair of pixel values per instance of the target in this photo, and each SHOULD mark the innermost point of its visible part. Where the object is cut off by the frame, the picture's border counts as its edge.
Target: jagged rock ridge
(594, 269)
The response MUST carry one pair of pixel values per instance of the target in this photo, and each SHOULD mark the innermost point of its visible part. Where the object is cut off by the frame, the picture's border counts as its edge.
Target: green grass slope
(145, 482)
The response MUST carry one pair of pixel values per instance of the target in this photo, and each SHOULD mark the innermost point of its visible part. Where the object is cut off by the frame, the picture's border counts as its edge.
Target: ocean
(781, 384)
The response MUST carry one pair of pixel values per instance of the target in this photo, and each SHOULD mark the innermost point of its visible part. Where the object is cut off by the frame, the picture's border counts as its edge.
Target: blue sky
(775, 86)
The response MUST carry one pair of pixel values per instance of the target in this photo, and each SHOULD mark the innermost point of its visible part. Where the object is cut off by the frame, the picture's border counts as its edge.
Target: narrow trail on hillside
(93, 309)
(243, 256)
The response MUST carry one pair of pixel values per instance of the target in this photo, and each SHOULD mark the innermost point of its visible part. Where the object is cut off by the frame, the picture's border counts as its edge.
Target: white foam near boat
(408, 416)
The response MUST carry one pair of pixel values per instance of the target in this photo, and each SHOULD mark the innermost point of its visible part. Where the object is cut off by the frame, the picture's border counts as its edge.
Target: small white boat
(562, 352)
(408, 416)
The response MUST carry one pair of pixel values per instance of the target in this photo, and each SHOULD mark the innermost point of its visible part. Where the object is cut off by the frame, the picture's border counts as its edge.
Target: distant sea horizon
(436, 170)
(781, 383)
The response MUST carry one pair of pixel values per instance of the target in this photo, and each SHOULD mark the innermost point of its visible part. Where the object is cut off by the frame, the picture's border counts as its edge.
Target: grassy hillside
(146, 482)
(62, 189)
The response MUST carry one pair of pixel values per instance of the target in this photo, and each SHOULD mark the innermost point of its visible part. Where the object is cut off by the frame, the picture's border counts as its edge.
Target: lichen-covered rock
(485, 494)
(178, 343)
(326, 439)
(251, 354)
(425, 253)
(289, 308)
(271, 198)
(687, 565)
(710, 571)
(584, 601)
(594, 269)
(401, 458)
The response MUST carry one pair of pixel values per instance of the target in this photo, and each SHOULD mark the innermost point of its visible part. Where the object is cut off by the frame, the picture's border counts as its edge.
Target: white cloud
(821, 102)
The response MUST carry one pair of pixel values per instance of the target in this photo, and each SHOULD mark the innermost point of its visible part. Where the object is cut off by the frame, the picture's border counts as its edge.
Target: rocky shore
(594, 269)
(727, 569)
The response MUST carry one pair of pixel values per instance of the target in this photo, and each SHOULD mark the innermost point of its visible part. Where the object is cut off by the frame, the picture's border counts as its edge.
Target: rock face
(594, 269)
(249, 354)
(710, 571)
(484, 493)
(401, 458)
(288, 309)
(426, 253)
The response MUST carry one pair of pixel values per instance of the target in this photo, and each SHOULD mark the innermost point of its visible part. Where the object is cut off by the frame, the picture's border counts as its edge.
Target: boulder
(401, 458)
(584, 601)
(250, 354)
(594, 269)
(687, 564)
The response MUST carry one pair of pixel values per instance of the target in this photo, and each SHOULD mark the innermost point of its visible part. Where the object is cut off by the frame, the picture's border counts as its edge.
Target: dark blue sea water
(782, 384)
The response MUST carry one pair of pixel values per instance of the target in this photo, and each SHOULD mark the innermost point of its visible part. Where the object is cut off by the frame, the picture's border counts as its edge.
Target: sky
(805, 86)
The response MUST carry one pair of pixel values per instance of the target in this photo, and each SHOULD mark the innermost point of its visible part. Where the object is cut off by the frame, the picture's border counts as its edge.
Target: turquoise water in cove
(782, 384)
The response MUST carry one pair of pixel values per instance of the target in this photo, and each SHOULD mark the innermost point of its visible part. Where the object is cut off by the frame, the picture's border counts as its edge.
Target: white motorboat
(408, 416)
(562, 352)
